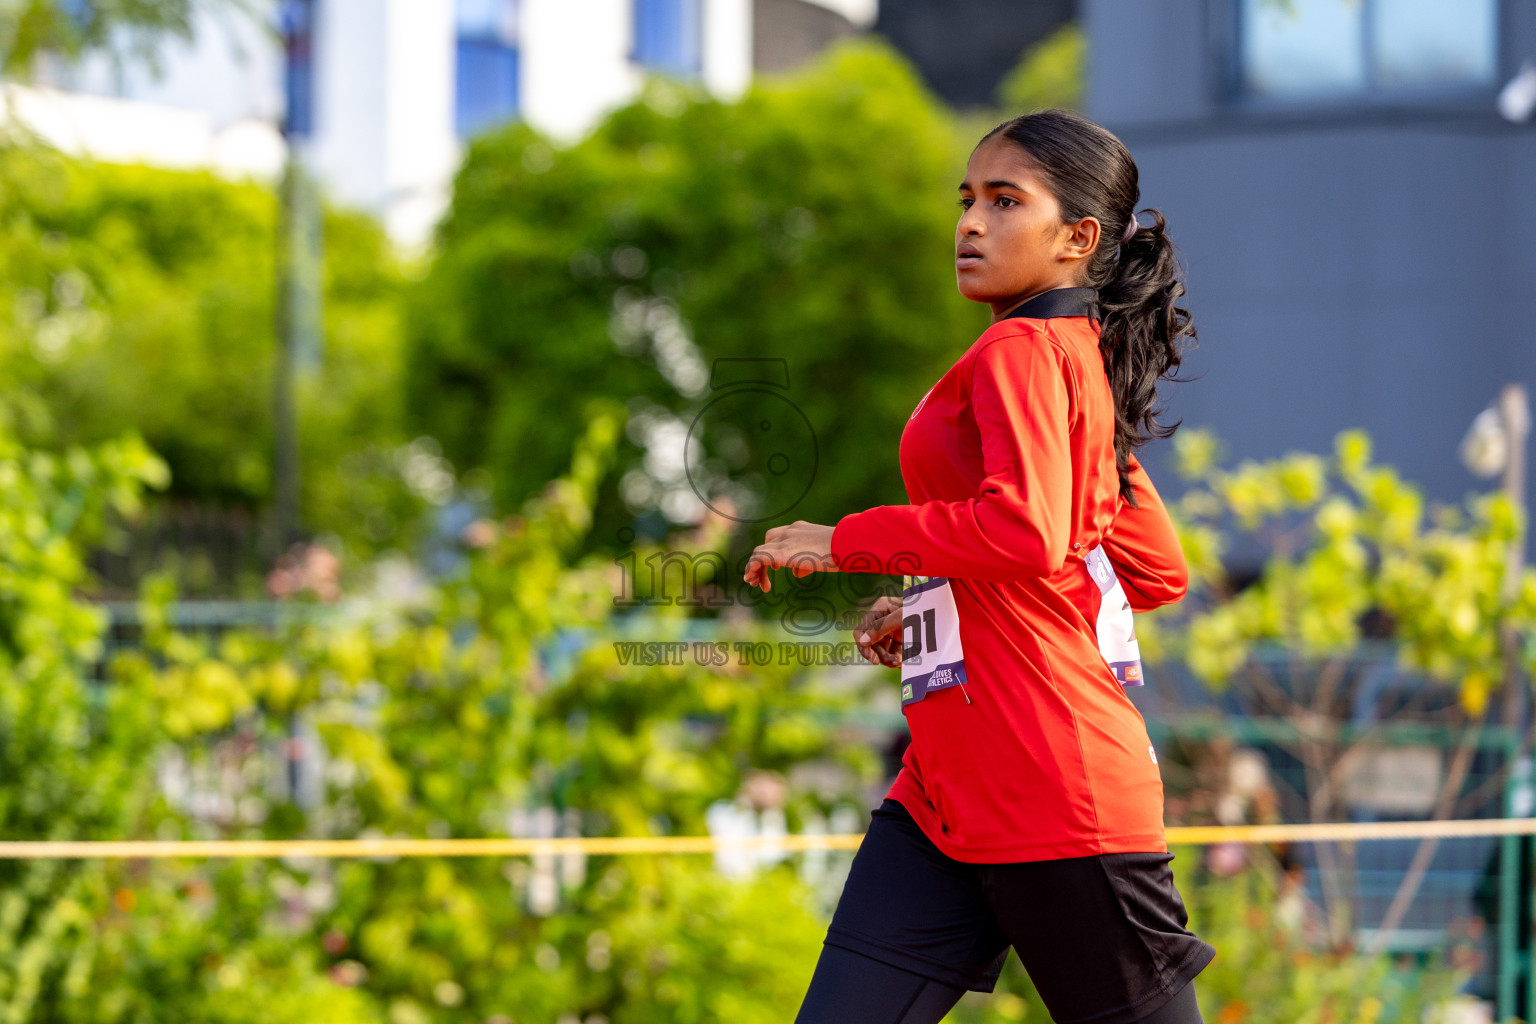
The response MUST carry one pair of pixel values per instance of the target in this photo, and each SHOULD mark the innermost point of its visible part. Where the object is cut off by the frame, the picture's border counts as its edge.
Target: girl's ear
(1079, 239)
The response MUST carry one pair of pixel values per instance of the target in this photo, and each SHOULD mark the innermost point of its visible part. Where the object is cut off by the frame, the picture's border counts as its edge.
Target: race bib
(1116, 628)
(931, 656)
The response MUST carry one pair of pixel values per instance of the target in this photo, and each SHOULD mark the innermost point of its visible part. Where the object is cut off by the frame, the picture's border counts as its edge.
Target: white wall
(576, 66)
(384, 109)
(420, 147)
(352, 68)
(131, 131)
(727, 47)
(575, 63)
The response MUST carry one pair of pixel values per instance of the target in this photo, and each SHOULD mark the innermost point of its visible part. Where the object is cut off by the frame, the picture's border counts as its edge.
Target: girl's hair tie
(1129, 232)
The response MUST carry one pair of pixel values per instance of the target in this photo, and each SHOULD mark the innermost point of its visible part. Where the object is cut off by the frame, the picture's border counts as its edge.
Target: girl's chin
(971, 290)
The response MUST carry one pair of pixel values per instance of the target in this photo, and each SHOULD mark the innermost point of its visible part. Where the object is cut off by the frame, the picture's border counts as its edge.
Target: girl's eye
(1008, 200)
(965, 204)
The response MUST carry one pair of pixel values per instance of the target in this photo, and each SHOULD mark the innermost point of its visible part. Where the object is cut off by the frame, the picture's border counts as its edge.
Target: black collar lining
(1060, 302)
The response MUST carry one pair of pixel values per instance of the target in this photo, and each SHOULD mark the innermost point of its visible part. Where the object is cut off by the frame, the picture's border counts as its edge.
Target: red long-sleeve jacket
(1009, 465)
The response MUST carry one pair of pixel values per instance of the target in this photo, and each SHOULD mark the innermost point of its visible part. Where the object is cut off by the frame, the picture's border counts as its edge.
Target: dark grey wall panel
(1366, 266)
(963, 48)
(1146, 58)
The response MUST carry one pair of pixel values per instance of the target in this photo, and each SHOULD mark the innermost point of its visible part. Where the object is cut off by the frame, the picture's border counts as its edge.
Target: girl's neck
(1000, 311)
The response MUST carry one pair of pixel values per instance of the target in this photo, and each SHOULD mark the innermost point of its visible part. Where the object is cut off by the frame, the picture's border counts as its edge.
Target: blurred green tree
(441, 717)
(454, 714)
(1051, 74)
(1270, 970)
(84, 940)
(809, 223)
(1350, 555)
(1347, 547)
(137, 298)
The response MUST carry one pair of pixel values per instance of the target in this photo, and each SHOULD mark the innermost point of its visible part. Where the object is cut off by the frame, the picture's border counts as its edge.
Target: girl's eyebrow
(965, 186)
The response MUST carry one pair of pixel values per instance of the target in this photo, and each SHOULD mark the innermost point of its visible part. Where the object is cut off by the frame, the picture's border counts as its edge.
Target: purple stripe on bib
(930, 584)
(1128, 672)
(941, 678)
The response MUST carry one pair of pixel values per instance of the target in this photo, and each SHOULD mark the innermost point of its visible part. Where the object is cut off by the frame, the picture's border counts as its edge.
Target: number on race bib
(931, 655)
(933, 659)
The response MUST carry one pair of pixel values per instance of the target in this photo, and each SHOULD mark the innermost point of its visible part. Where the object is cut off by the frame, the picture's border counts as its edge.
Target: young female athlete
(1029, 809)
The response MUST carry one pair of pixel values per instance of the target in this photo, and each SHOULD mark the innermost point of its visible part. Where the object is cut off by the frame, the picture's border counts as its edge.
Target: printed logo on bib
(931, 656)
(1116, 626)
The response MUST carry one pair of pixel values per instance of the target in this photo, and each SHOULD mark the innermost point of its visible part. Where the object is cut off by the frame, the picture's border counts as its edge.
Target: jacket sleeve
(1016, 525)
(1144, 549)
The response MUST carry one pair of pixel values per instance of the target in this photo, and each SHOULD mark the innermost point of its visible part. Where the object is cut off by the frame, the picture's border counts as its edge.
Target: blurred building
(399, 85)
(964, 48)
(787, 33)
(1357, 219)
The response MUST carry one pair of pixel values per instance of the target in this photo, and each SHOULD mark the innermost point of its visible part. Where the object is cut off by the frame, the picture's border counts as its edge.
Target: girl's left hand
(802, 547)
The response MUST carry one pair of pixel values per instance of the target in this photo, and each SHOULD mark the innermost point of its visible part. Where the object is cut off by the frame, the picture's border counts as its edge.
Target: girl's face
(1011, 243)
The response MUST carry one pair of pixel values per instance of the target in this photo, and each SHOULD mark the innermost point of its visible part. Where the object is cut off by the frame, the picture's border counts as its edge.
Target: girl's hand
(802, 547)
(879, 633)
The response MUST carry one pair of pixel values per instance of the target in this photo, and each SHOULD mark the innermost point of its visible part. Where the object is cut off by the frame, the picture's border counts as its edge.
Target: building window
(486, 65)
(668, 37)
(1299, 48)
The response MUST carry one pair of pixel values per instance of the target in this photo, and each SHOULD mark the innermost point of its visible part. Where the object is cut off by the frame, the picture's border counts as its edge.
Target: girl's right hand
(878, 634)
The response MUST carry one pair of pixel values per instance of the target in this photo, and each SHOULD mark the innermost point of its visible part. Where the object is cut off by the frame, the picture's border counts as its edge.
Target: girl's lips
(967, 260)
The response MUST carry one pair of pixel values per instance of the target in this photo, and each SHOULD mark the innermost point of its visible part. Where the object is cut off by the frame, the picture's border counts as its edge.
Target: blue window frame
(669, 37)
(486, 65)
(1322, 48)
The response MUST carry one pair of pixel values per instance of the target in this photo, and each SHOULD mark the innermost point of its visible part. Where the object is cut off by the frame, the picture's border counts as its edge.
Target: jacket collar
(1060, 302)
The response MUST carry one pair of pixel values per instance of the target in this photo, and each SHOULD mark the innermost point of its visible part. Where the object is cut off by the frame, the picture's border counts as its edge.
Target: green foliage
(1051, 74)
(441, 716)
(467, 723)
(185, 943)
(1346, 537)
(45, 501)
(809, 221)
(135, 298)
(1268, 971)
(47, 638)
(84, 940)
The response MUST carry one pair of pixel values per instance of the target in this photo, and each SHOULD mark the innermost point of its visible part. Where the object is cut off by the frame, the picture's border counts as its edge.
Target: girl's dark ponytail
(1143, 329)
(1141, 337)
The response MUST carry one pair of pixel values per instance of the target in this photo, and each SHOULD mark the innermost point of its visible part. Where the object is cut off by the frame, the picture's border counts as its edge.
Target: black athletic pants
(1103, 938)
(851, 988)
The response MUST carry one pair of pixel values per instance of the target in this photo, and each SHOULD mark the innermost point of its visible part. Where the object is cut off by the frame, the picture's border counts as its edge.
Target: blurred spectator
(306, 567)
